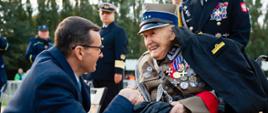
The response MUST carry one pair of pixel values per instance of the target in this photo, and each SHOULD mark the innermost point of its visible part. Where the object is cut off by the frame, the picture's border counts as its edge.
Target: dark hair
(71, 31)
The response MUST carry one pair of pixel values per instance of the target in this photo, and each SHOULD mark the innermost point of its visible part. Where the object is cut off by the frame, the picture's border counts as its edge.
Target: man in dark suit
(220, 18)
(3, 48)
(38, 44)
(110, 68)
(54, 83)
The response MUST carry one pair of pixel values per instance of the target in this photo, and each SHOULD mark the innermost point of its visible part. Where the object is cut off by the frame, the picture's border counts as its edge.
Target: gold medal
(176, 75)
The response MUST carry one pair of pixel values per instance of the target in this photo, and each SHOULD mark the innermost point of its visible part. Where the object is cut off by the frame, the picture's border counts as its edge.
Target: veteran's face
(158, 41)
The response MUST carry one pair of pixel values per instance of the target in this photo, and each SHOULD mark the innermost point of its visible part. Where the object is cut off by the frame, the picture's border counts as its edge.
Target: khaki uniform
(161, 82)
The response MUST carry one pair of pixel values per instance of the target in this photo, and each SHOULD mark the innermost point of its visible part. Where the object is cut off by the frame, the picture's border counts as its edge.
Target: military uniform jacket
(172, 79)
(225, 68)
(221, 18)
(114, 39)
(36, 45)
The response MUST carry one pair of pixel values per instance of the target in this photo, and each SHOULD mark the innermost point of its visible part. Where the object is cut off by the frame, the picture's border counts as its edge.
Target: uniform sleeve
(29, 51)
(119, 105)
(120, 50)
(240, 29)
(203, 102)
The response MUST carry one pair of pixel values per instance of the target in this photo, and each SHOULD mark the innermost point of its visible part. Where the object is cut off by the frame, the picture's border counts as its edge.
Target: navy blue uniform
(36, 45)
(221, 18)
(3, 48)
(114, 52)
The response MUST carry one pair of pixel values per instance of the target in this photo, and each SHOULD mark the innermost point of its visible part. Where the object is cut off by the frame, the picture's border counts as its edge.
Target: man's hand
(177, 108)
(117, 78)
(133, 95)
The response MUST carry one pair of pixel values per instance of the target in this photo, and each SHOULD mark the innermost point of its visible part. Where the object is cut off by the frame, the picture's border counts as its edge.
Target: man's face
(106, 17)
(158, 41)
(43, 34)
(92, 53)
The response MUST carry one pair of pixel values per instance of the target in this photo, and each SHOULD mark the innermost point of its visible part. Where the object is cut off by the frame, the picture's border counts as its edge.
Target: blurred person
(38, 44)
(19, 75)
(3, 48)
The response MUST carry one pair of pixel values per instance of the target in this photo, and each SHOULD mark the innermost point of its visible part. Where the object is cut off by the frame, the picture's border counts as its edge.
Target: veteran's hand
(117, 78)
(133, 95)
(177, 108)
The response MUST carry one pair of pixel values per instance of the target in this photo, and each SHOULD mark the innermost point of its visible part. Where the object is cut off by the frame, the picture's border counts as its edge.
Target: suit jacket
(50, 87)
(221, 63)
(221, 18)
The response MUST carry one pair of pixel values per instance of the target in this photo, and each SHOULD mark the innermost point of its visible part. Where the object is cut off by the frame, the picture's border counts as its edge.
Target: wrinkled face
(43, 34)
(106, 17)
(92, 52)
(158, 41)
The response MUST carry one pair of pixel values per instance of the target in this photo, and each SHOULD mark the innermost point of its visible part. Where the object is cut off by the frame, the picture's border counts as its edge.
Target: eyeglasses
(88, 46)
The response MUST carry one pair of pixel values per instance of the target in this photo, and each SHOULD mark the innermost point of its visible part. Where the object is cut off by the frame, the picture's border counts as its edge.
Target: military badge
(220, 12)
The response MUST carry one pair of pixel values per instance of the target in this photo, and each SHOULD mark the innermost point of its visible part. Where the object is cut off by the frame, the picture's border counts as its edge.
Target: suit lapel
(209, 6)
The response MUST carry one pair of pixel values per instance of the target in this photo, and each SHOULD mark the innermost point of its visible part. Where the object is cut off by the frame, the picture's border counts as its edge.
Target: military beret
(158, 15)
(108, 7)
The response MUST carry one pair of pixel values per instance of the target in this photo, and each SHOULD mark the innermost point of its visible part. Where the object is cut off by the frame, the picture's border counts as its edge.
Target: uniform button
(191, 28)
(218, 23)
(102, 39)
(218, 35)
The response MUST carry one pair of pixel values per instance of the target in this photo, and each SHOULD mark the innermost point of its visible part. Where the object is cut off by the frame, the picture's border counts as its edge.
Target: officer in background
(38, 44)
(110, 68)
(221, 18)
(3, 48)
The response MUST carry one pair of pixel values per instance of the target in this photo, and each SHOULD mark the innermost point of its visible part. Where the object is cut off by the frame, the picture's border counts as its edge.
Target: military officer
(38, 44)
(162, 72)
(181, 66)
(110, 67)
(221, 18)
(3, 48)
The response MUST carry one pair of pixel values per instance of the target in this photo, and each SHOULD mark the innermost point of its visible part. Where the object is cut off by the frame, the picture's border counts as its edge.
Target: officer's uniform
(36, 45)
(114, 40)
(3, 48)
(171, 79)
(221, 18)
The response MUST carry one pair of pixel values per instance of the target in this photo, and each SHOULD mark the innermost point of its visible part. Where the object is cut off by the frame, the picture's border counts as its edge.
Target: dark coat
(228, 71)
(51, 87)
(224, 18)
(115, 45)
(35, 46)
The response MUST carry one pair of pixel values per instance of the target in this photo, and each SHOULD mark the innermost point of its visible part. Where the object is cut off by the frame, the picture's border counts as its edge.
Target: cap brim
(106, 10)
(150, 26)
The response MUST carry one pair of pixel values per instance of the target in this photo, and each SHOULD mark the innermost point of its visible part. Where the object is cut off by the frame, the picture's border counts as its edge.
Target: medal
(176, 75)
(184, 85)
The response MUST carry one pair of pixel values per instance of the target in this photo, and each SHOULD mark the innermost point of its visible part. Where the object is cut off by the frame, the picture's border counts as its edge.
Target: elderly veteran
(182, 68)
